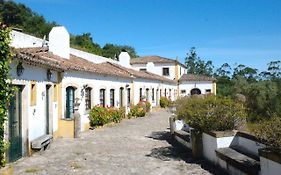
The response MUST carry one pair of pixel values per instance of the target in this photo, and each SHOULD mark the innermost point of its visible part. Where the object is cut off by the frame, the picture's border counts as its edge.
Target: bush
(115, 115)
(99, 116)
(147, 106)
(211, 113)
(139, 110)
(164, 102)
(269, 131)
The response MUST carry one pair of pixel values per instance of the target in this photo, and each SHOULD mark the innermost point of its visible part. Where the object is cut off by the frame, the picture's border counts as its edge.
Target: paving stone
(135, 146)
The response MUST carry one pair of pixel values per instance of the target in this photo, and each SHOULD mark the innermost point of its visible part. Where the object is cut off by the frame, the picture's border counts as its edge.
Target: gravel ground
(135, 146)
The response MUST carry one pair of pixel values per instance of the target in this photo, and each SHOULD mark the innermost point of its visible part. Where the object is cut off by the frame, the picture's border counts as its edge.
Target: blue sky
(234, 31)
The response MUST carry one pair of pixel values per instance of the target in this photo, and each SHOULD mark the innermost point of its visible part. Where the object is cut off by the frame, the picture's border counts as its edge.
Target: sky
(233, 31)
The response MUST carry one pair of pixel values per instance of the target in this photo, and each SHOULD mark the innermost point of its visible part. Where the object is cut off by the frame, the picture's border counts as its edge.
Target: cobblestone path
(136, 146)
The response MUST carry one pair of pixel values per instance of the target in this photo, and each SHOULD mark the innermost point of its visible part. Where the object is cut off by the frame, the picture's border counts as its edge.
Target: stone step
(238, 160)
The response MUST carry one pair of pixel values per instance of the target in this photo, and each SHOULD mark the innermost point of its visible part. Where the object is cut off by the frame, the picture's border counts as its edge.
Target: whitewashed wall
(91, 57)
(20, 40)
(36, 113)
(158, 69)
(269, 167)
(210, 144)
(96, 82)
(189, 85)
(150, 84)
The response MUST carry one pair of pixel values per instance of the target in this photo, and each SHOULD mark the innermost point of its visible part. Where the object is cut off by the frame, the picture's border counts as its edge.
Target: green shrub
(99, 116)
(138, 110)
(115, 115)
(164, 102)
(211, 113)
(269, 131)
(122, 111)
(147, 106)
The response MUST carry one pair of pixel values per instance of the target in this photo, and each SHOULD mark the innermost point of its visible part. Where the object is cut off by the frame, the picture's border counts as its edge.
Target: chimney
(124, 59)
(59, 42)
(150, 67)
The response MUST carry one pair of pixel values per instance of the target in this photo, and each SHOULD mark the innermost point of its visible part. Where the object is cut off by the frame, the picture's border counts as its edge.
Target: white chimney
(124, 59)
(59, 42)
(150, 67)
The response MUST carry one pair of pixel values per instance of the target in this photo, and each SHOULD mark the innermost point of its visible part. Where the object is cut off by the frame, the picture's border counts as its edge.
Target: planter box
(214, 140)
(270, 161)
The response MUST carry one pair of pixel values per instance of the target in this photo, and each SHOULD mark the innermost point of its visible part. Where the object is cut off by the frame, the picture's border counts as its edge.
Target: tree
(246, 72)
(85, 42)
(112, 50)
(195, 65)
(224, 83)
(5, 86)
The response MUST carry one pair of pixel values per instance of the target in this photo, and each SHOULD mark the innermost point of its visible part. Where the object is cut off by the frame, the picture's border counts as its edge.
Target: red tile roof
(42, 57)
(154, 59)
(194, 77)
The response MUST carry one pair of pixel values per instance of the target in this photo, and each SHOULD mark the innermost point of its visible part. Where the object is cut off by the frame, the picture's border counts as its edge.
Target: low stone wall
(211, 146)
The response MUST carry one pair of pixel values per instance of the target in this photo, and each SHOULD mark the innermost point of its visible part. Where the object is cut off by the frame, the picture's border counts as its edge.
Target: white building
(187, 84)
(51, 77)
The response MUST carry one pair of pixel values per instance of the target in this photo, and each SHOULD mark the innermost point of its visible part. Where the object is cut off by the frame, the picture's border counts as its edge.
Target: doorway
(47, 102)
(15, 120)
(195, 91)
(69, 102)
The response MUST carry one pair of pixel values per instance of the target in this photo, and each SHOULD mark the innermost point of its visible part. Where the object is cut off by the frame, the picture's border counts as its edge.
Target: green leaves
(211, 113)
(5, 87)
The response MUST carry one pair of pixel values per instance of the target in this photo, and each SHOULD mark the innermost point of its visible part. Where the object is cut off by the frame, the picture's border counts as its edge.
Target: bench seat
(41, 142)
(238, 160)
(183, 135)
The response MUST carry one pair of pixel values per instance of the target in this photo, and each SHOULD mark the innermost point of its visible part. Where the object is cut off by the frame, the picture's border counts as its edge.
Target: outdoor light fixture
(20, 69)
(49, 74)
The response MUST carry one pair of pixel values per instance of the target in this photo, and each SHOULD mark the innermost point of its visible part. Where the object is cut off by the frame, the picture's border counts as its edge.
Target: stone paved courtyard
(135, 146)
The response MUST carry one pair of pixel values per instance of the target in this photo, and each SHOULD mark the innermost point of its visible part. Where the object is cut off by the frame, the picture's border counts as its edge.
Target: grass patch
(75, 165)
(33, 170)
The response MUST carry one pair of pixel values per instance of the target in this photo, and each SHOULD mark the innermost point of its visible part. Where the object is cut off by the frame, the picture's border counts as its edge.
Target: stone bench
(239, 161)
(41, 142)
(183, 135)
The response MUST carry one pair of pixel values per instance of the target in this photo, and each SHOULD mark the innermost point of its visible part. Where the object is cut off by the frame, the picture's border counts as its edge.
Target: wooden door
(14, 120)
(69, 102)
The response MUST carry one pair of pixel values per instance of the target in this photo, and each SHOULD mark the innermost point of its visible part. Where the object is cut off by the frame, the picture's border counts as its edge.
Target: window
(165, 93)
(121, 97)
(153, 95)
(33, 94)
(208, 91)
(140, 94)
(166, 71)
(112, 98)
(183, 91)
(147, 94)
(128, 96)
(102, 97)
(55, 98)
(88, 97)
(143, 69)
(170, 93)
(180, 71)
(160, 92)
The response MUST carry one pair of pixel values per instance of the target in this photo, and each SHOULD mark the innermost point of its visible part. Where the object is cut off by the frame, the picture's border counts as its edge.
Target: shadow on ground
(178, 152)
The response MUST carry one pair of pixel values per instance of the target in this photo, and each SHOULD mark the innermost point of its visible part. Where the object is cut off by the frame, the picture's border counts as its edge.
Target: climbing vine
(5, 85)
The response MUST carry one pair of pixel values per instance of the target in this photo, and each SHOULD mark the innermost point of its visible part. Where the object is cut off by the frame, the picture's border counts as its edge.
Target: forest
(260, 90)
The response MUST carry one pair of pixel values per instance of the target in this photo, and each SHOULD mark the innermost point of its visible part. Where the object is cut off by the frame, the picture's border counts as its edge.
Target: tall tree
(85, 42)
(113, 50)
(195, 65)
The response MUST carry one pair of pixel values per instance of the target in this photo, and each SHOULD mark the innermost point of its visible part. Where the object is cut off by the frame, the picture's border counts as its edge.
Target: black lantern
(49, 74)
(20, 69)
